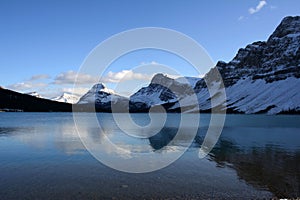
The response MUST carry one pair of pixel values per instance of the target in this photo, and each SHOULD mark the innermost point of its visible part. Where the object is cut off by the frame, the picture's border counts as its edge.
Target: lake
(43, 157)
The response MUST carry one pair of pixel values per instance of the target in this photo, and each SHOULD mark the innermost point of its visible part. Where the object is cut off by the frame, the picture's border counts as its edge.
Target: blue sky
(43, 43)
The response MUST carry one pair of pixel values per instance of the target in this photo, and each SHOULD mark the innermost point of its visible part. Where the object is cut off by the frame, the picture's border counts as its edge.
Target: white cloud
(150, 63)
(111, 77)
(124, 75)
(70, 77)
(77, 91)
(241, 18)
(39, 77)
(32, 84)
(26, 86)
(154, 63)
(260, 5)
(64, 81)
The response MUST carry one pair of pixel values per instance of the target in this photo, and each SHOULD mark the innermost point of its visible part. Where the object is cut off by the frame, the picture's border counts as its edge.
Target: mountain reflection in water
(268, 166)
(262, 152)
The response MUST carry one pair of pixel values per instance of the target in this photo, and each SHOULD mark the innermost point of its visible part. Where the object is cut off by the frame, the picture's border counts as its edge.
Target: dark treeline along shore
(14, 101)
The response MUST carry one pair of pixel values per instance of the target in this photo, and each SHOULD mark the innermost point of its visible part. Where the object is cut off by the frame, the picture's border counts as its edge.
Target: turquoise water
(42, 157)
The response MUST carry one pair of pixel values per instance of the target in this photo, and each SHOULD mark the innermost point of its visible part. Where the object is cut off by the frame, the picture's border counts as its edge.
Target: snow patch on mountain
(67, 98)
(250, 96)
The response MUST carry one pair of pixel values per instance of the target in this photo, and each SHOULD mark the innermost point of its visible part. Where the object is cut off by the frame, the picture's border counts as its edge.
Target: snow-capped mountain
(98, 93)
(264, 77)
(67, 98)
(161, 90)
(102, 97)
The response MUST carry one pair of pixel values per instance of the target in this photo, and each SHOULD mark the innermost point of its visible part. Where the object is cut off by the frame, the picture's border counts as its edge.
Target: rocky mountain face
(275, 59)
(263, 77)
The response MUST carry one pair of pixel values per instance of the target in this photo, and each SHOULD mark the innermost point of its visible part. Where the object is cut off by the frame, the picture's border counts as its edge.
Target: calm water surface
(42, 157)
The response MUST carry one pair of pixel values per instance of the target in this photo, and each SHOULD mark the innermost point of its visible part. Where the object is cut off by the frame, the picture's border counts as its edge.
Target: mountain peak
(288, 26)
(66, 97)
(162, 79)
(102, 98)
(99, 86)
(276, 59)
